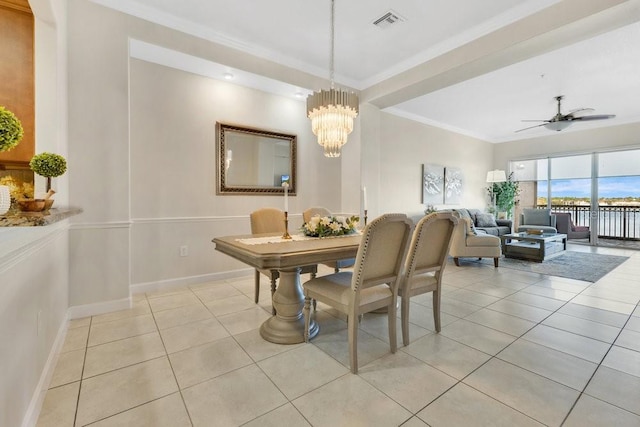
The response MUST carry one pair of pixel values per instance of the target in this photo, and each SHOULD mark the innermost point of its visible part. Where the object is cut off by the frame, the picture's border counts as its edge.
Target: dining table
(288, 256)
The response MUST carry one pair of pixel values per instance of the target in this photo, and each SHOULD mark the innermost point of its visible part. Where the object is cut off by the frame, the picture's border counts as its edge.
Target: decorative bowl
(32, 205)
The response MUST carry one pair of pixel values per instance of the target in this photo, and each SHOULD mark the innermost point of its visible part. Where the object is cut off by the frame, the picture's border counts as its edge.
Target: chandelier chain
(332, 51)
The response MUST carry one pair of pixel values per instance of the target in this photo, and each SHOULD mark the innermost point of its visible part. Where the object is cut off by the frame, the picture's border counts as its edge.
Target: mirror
(254, 161)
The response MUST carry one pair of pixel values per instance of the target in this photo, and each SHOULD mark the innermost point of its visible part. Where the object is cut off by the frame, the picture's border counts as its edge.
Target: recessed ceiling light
(228, 76)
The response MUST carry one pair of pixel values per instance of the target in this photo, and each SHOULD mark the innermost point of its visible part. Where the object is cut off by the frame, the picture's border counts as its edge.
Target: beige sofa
(468, 243)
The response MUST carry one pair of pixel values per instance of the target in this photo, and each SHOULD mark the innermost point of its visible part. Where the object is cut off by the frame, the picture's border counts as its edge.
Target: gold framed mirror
(254, 161)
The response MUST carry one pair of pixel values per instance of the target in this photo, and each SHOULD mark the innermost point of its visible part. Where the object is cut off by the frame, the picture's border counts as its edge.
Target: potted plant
(48, 165)
(11, 133)
(505, 194)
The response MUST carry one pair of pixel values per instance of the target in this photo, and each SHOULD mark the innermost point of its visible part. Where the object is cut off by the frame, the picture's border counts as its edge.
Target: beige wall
(405, 145)
(173, 173)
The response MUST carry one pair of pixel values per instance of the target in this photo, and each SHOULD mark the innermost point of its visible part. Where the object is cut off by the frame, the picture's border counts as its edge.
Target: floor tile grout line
(596, 370)
(173, 372)
(84, 361)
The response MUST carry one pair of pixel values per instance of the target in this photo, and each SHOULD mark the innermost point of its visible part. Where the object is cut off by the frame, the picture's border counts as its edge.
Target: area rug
(574, 265)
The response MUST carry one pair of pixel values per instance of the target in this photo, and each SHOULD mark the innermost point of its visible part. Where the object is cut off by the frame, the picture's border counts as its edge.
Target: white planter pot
(5, 199)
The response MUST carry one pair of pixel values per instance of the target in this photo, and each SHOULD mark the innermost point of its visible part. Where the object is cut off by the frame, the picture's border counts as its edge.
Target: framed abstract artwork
(432, 184)
(453, 186)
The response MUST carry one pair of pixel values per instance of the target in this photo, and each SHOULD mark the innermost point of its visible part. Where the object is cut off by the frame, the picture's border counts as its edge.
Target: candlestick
(286, 196)
(286, 234)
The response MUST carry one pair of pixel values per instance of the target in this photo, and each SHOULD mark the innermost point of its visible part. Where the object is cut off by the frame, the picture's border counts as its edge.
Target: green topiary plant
(11, 131)
(48, 165)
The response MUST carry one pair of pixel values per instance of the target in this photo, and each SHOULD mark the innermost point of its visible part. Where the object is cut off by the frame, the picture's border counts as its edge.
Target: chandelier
(332, 111)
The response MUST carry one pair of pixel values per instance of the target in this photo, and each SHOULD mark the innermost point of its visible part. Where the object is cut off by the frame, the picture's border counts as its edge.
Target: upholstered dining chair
(271, 220)
(373, 284)
(336, 265)
(425, 263)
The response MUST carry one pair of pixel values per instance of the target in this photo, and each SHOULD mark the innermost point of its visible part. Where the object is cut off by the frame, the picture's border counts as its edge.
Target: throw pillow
(485, 220)
(464, 215)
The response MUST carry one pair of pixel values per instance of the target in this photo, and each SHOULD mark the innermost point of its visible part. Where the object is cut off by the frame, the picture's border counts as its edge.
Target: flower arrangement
(11, 131)
(18, 189)
(48, 165)
(330, 226)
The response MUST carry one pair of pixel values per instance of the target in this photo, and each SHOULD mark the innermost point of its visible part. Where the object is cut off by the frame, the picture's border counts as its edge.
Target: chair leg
(393, 340)
(307, 318)
(436, 309)
(257, 286)
(315, 305)
(404, 313)
(495, 262)
(352, 323)
(456, 261)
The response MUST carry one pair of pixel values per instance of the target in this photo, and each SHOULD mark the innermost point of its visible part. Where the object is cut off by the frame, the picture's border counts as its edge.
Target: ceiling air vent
(388, 19)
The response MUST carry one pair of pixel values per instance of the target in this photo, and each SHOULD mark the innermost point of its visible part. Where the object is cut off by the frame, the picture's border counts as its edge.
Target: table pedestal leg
(287, 326)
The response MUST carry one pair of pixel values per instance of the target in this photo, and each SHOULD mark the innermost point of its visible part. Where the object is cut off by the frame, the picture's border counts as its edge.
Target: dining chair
(425, 263)
(336, 265)
(271, 220)
(373, 284)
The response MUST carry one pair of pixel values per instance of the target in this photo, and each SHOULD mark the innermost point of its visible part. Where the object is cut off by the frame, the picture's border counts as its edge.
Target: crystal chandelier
(332, 111)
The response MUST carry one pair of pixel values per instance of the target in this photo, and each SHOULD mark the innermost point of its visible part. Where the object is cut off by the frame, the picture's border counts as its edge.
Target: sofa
(485, 223)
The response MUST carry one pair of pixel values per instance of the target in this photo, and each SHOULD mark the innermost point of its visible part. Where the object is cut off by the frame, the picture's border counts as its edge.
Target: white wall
(33, 305)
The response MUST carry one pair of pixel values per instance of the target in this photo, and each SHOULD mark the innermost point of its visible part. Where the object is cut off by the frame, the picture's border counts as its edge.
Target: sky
(621, 186)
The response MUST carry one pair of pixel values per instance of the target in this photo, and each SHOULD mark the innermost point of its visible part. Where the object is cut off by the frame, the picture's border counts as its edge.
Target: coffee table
(534, 247)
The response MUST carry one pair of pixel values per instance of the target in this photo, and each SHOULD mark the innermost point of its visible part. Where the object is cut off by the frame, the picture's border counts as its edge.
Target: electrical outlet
(184, 250)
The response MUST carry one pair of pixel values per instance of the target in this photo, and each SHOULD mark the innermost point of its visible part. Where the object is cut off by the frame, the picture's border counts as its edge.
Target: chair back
(311, 212)
(267, 220)
(534, 216)
(382, 250)
(430, 244)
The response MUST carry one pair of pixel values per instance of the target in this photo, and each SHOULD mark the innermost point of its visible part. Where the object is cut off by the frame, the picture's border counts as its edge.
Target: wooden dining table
(270, 251)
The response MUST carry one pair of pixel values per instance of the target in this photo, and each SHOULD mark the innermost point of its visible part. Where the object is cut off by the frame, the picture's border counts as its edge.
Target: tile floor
(516, 349)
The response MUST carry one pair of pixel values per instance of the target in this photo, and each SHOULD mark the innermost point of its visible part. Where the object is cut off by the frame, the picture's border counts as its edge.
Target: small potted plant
(11, 131)
(48, 165)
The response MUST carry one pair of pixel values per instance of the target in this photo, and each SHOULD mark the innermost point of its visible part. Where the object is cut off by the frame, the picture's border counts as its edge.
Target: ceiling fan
(562, 121)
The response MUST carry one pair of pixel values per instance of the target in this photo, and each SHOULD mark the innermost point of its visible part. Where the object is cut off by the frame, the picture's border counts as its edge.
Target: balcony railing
(614, 222)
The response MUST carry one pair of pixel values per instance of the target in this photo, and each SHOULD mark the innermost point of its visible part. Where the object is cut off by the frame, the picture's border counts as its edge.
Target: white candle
(286, 196)
(364, 197)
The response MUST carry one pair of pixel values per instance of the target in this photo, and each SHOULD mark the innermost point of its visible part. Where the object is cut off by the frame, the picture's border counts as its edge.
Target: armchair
(537, 219)
(566, 226)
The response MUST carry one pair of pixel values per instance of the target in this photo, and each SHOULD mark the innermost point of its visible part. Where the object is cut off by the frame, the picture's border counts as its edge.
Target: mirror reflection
(254, 161)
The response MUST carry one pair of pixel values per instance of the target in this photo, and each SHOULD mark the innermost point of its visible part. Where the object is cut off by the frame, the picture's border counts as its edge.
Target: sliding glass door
(600, 192)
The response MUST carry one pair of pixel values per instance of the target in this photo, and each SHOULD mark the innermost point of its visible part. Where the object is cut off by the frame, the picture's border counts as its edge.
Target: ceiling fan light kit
(562, 121)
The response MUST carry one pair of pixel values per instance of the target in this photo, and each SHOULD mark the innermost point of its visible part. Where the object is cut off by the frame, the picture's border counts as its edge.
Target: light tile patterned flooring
(516, 349)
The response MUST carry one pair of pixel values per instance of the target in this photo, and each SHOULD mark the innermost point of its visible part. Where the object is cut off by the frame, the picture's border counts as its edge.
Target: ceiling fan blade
(595, 117)
(579, 111)
(531, 127)
(534, 120)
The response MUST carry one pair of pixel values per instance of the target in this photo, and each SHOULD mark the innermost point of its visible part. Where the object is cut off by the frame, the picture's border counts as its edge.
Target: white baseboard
(182, 282)
(35, 406)
(80, 311)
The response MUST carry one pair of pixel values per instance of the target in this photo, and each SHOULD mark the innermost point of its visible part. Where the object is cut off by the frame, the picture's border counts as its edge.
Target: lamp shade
(496, 176)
